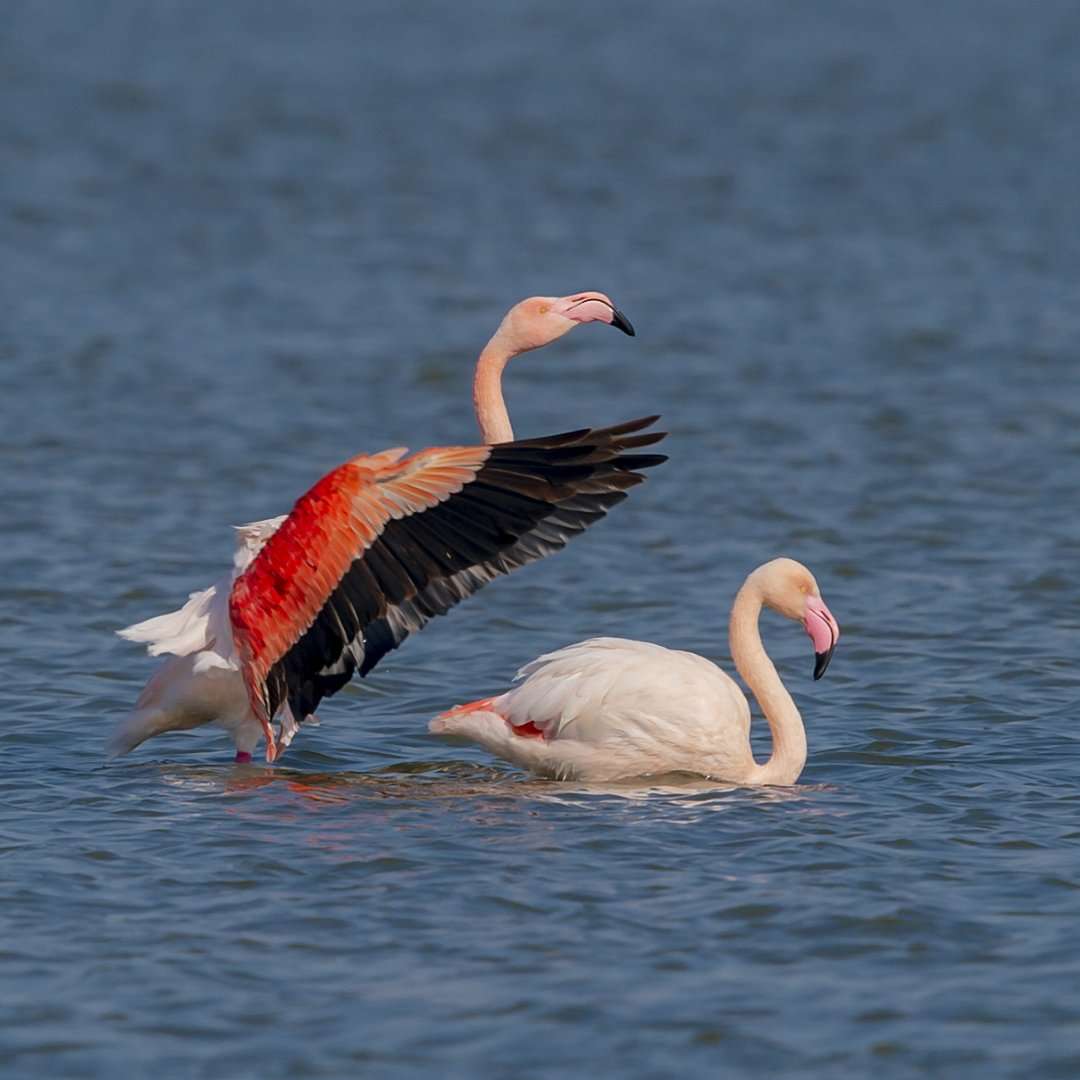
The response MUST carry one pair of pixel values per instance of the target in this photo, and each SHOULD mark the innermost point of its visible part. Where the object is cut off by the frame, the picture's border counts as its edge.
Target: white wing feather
(610, 708)
(203, 621)
(607, 687)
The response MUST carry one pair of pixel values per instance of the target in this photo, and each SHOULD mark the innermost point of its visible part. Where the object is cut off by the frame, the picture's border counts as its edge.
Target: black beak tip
(621, 322)
(821, 662)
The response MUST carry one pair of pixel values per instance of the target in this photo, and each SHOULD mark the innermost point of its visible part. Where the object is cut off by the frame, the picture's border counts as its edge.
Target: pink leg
(242, 757)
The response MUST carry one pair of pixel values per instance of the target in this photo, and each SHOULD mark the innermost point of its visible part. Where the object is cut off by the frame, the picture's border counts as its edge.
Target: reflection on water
(448, 780)
(673, 797)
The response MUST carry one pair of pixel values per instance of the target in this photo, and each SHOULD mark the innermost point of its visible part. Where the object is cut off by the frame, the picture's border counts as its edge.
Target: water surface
(243, 242)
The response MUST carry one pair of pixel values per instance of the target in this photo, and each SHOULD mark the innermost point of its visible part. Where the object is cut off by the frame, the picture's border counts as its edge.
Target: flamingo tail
(451, 721)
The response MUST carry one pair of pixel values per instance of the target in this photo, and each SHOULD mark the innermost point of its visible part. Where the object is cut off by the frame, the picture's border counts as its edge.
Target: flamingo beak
(621, 322)
(824, 632)
(594, 307)
(821, 662)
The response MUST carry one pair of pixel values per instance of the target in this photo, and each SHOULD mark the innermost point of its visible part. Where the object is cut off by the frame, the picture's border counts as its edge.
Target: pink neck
(488, 401)
(753, 664)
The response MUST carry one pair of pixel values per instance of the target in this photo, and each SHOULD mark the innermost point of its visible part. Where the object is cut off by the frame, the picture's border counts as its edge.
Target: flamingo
(610, 709)
(378, 547)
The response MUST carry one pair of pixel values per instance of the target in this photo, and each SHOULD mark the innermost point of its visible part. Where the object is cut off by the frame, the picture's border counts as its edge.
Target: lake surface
(242, 242)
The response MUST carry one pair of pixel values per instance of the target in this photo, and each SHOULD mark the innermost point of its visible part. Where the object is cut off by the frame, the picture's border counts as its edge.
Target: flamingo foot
(242, 758)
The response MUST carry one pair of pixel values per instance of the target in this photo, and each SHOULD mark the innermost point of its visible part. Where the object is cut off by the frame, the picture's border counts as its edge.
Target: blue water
(243, 242)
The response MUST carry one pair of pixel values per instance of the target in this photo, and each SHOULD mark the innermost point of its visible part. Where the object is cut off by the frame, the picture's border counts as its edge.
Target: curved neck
(753, 664)
(488, 401)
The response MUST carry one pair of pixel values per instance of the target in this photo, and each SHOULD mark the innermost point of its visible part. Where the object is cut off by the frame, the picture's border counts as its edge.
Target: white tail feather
(179, 632)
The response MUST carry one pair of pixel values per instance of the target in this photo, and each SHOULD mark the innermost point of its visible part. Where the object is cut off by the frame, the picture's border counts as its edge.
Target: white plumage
(201, 682)
(609, 708)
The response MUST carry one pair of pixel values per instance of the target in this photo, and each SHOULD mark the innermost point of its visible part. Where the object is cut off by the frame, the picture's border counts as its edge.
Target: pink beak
(824, 632)
(593, 307)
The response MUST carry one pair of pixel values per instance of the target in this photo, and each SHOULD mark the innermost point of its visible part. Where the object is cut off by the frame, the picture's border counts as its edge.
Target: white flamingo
(609, 709)
(375, 549)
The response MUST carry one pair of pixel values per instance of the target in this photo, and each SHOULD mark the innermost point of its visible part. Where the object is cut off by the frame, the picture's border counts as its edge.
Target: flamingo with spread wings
(375, 549)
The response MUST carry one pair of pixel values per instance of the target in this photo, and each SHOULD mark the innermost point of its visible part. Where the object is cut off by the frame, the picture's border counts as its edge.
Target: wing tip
(591, 435)
(633, 462)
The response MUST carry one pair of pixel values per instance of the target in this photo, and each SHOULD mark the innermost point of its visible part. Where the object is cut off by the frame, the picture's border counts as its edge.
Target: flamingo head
(789, 588)
(540, 320)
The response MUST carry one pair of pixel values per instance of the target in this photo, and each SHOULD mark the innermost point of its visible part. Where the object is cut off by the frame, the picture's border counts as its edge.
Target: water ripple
(239, 237)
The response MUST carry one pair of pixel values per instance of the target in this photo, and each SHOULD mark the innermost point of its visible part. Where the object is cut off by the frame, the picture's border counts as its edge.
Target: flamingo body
(610, 708)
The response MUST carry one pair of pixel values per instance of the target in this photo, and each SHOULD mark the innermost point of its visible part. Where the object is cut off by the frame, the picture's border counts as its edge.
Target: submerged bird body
(609, 708)
(373, 551)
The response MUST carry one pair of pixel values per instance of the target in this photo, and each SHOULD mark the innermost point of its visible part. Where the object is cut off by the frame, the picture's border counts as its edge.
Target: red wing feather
(279, 595)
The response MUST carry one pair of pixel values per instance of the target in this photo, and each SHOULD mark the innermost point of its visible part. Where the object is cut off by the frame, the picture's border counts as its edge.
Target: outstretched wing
(379, 546)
